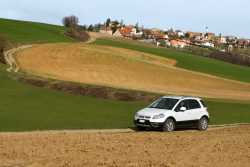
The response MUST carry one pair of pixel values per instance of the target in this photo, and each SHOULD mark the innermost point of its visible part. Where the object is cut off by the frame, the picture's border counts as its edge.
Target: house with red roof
(178, 43)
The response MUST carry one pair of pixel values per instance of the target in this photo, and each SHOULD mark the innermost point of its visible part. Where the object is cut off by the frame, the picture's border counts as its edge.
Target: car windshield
(164, 103)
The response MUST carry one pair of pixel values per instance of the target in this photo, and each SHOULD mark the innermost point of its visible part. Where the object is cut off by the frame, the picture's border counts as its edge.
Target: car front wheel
(203, 124)
(169, 125)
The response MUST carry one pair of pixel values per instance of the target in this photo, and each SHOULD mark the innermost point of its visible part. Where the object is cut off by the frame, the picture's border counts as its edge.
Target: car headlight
(136, 115)
(159, 116)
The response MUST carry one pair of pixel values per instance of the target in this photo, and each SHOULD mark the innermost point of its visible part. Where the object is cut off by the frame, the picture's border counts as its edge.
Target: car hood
(151, 111)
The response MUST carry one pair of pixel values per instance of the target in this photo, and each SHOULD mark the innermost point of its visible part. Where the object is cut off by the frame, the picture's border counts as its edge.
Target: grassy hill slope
(31, 32)
(187, 61)
(25, 108)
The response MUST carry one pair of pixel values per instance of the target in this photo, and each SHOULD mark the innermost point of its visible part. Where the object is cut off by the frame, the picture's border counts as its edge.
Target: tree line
(233, 58)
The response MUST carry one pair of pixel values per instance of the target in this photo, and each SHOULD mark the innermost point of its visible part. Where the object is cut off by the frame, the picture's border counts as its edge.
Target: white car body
(155, 117)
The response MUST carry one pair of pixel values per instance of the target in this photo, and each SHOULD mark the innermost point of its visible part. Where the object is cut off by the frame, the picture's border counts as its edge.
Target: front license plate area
(142, 121)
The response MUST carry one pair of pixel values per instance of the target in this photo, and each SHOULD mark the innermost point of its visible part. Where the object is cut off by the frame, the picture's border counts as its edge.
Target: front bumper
(147, 123)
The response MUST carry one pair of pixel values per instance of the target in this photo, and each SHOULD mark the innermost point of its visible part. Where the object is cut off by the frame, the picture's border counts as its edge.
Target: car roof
(182, 97)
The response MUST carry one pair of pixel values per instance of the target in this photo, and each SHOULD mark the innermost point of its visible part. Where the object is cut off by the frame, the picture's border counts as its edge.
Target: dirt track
(9, 57)
(219, 147)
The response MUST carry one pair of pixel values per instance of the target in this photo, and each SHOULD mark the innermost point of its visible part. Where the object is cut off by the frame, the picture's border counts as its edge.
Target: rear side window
(203, 103)
(194, 104)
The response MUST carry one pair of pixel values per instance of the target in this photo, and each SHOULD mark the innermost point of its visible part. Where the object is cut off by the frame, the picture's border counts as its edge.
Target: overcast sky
(229, 17)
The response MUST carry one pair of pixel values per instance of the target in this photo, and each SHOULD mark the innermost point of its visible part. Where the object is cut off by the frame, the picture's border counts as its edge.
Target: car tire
(203, 124)
(169, 125)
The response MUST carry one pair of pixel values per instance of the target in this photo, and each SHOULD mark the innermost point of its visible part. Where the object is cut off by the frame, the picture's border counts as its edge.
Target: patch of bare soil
(228, 147)
(125, 69)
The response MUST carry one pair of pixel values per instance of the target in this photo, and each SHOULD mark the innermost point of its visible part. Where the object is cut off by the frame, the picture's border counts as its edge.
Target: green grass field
(187, 61)
(22, 32)
(25, 108)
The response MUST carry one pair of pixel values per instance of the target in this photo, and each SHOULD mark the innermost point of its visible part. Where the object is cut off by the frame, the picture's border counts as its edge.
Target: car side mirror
(183, 109)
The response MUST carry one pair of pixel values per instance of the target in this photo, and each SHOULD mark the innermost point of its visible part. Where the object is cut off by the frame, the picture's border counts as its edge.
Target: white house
(208, 44)
(180, 34)
(166, 37)
(135, 33)
(222, 40)
(168, 43)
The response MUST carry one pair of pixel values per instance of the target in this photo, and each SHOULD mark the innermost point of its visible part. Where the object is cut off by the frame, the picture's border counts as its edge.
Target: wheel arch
(205, 116)
(171, 117)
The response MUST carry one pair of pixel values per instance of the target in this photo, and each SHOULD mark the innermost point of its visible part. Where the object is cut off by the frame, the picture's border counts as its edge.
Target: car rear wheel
(203, 124)
(169, 125)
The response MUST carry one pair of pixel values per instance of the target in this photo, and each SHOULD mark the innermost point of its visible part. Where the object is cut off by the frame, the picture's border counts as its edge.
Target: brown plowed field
(122, 68)
(226, 147)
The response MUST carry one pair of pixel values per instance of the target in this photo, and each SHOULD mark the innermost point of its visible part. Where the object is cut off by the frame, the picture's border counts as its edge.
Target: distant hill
(32, 32)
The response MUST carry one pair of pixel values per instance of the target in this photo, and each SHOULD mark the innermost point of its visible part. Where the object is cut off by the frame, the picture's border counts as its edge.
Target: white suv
(169, 112)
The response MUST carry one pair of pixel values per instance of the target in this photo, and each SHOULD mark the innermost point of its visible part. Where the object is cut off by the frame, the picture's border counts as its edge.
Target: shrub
(77, 34)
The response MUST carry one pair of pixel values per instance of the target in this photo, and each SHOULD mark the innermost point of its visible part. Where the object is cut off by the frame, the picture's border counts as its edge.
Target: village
(170, 37)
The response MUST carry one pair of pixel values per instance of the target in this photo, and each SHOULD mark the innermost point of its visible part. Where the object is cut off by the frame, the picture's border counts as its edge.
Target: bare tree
(70, 21)
(108, 21)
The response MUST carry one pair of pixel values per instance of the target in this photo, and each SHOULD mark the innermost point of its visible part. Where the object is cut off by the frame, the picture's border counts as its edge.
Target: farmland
(72, 84)
(123, 68)
(217, 147)
(27, 108)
